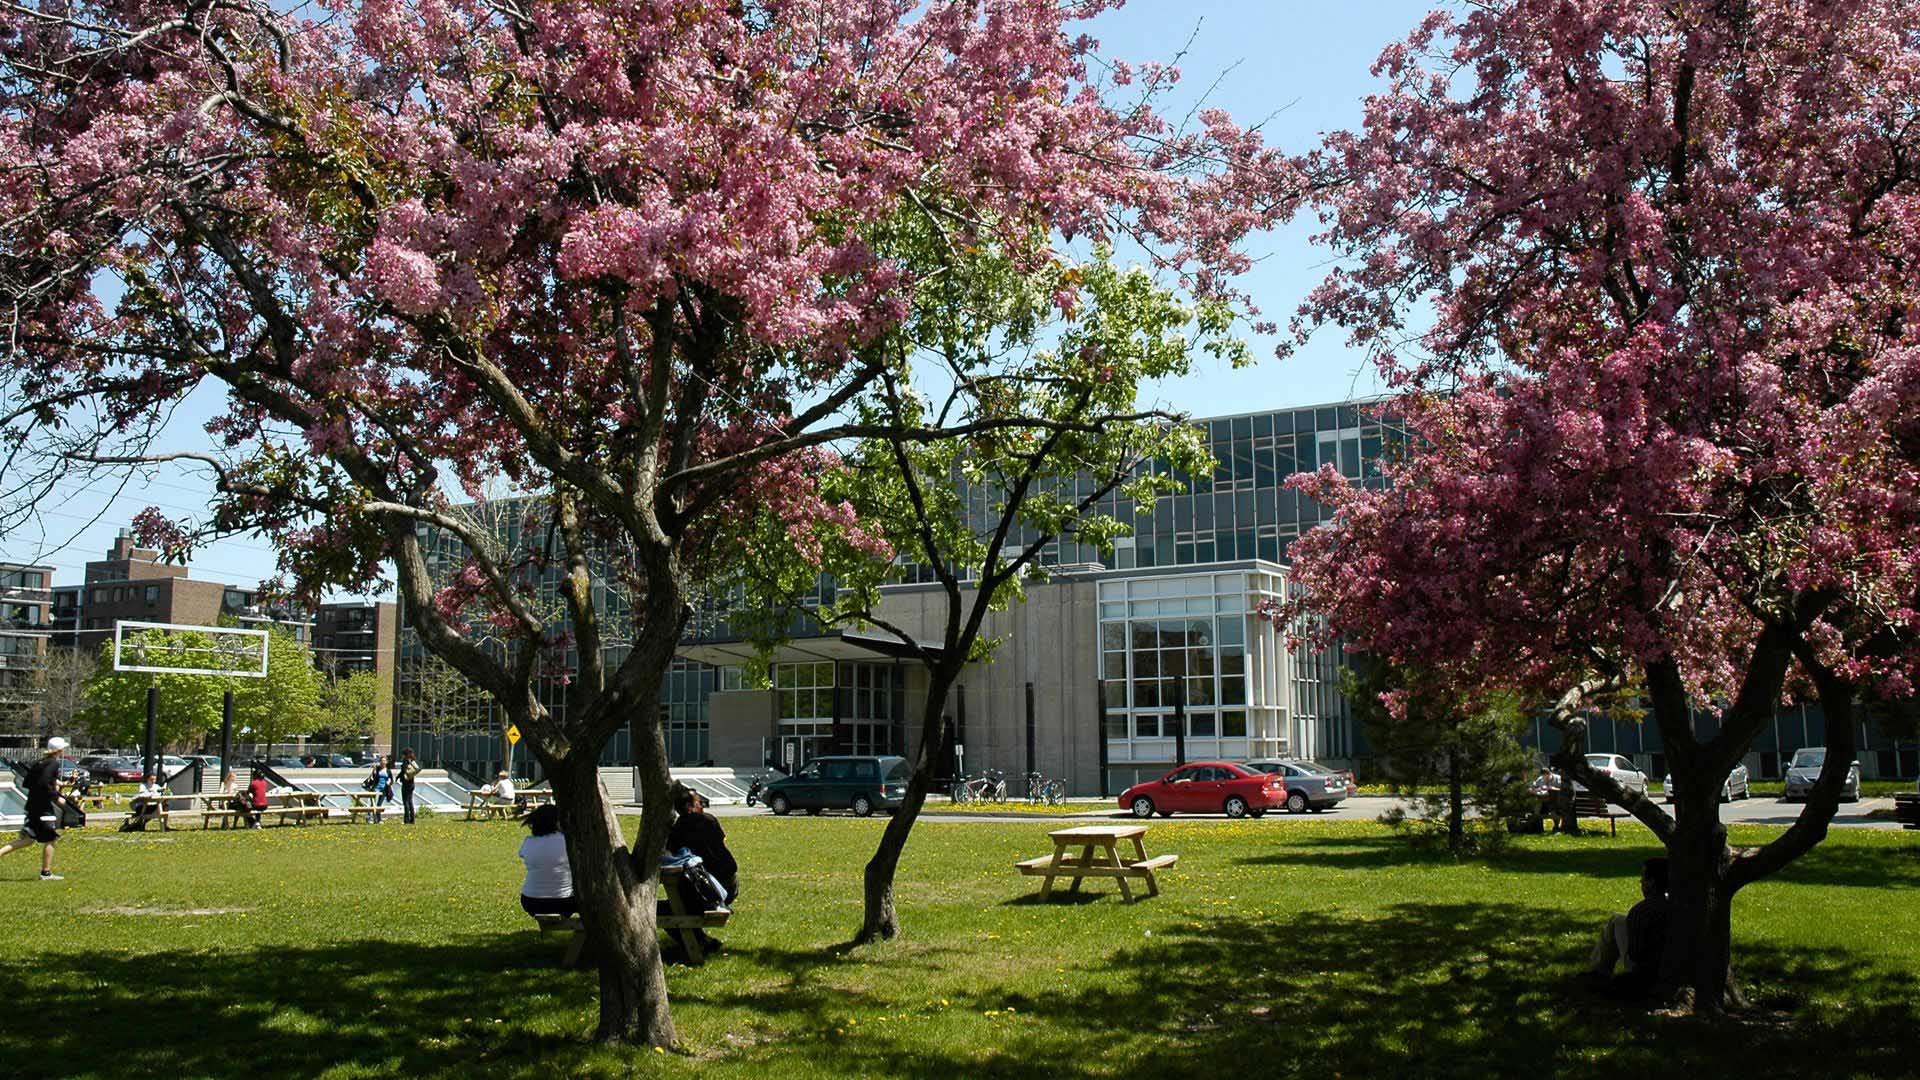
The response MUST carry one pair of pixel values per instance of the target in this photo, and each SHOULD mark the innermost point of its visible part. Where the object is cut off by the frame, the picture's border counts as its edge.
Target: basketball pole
(153, 731)
(226, 738)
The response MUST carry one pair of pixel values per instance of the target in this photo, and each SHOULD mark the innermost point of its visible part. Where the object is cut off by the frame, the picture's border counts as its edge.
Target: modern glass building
(1114, 669)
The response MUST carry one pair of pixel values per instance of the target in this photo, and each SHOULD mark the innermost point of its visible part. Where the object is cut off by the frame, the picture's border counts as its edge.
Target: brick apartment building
(131, 583)
(359, 636)
(26, 619)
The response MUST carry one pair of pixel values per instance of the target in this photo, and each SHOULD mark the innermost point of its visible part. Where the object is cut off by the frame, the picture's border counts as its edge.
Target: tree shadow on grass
(1424, 990)
(384, 1006)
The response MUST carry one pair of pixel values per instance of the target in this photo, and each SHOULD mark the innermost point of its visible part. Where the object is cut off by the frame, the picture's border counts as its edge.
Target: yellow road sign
(513, 735)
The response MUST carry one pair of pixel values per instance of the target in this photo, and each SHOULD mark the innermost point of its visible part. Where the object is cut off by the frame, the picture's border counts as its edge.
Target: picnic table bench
(681, 923)
(365, 804)
(1087, 864)
(1906, 809)
(1586, 804)
(481, 806)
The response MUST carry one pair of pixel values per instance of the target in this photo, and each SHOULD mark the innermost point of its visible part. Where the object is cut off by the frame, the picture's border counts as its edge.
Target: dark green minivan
(861, 784)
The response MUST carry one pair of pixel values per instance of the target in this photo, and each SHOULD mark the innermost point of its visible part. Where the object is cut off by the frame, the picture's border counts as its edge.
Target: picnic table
(481, 806)
(679, 922)
(1108, 863)
(365, 804)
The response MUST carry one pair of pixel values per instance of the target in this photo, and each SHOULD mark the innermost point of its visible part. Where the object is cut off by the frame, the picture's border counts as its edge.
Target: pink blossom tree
(1643, 274)
(626, 257)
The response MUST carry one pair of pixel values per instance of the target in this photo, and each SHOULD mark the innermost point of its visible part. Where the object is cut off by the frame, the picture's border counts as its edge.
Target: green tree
(1443, 755)
(283, 704)
(349, 706)
(1046, 446)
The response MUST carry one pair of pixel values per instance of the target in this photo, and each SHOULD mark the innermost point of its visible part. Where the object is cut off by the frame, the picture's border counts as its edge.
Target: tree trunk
(1456, 828)
(616, 892)
(881, 918)
(1696, 969)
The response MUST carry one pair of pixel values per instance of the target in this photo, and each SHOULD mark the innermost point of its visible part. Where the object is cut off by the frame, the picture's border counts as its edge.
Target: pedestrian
(43, 796)
(409, 772)
(381, 784)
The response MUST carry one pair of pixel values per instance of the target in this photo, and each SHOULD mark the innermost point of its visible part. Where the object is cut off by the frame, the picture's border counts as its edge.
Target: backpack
(704, 887)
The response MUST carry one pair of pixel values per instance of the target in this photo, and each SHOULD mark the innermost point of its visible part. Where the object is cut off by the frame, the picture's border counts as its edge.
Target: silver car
(1735, 788)
(1623, 771)
(1310, 785)
(1805, 769)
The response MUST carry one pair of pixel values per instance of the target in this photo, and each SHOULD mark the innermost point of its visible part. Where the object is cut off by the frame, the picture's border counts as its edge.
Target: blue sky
(1298, 68)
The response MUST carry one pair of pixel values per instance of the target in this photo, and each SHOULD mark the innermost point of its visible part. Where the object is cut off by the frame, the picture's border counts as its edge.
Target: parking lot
(1759, 810)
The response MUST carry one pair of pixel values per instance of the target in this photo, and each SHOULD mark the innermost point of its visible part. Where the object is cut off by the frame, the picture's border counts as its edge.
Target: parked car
(74, 778)
(1805, 769)
(209, 765)
(1207, 787)
(285, 761)
(861, 784)
(1623, 770)
(1736, 786)
(119, 769)
(1310, 785)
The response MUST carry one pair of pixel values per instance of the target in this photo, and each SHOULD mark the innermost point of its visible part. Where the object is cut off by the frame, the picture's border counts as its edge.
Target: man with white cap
(43, 795)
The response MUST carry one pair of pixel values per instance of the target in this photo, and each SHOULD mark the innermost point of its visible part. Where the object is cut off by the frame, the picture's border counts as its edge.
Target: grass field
(1278, 948)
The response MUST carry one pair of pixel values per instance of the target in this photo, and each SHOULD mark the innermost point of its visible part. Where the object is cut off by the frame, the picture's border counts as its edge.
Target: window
(806, 691)
(837, 770)
(153, 595)
(866, 770)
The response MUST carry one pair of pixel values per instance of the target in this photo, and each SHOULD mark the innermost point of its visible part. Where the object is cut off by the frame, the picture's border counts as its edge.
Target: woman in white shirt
(548, 889)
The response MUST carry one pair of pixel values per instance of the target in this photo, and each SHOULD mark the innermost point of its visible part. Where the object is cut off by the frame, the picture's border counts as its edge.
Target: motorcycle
(757, 788)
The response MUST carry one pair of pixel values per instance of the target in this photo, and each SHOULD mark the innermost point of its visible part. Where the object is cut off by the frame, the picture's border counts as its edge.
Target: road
(1759, 810)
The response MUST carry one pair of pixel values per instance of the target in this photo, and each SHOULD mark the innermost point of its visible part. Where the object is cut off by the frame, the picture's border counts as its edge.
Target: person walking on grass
(409, 772)
(43, 796)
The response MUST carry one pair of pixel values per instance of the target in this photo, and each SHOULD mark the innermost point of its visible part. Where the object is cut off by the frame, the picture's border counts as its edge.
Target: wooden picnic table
(679, 922)
(481, 806)
(1107, 863)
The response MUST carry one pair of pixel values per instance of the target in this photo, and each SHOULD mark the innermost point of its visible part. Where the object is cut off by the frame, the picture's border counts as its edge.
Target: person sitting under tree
(1634, 941)
(43, 796)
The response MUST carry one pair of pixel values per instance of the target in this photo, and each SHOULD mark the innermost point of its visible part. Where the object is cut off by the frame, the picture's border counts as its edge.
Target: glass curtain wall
(1189, 644)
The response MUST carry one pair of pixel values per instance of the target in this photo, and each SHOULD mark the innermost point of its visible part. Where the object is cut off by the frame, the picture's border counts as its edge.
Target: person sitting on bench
(251, 804)
(1638, 938)
(501, 790)
(548, 888)
(700, 832)
(145, 806)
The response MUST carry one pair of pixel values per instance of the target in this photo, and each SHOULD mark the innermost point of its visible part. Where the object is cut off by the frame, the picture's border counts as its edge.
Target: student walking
(409, 771)
(43, 796)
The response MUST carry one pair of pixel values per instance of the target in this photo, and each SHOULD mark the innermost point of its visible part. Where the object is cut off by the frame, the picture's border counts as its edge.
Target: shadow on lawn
(1426, 990)
(281, 1011)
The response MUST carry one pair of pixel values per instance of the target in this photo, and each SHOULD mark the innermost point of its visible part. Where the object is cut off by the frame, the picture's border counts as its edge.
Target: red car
(1207, 787)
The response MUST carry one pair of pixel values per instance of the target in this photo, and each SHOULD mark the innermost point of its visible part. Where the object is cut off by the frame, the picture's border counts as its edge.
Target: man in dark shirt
(43, 795)
(700, 832)
(1639, 937)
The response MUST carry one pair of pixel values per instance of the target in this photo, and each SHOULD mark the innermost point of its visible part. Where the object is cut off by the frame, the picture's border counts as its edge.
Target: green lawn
(1278, 948)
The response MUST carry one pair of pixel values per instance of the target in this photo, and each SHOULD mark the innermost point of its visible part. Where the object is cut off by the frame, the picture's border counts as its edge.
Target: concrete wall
(1049, 640)
(737, 721)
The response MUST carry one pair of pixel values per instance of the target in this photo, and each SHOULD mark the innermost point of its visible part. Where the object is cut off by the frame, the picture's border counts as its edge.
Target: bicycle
(1040, 789)
(989, 785)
